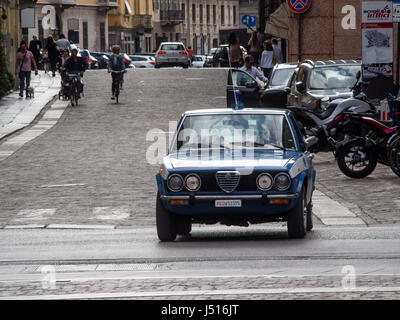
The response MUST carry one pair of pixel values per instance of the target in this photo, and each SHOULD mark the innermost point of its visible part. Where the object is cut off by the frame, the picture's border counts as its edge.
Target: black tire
(355, 153)
(165, 221)
(157, 66)
(183, 225)
(297, 218)
(394, 156)
(310, 224)
(185, 66)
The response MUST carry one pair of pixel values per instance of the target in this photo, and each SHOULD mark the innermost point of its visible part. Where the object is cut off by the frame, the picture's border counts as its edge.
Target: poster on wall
(377, 47)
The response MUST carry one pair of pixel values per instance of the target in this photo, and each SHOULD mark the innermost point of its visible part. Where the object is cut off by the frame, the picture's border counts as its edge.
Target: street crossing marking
(111, 213)
(34, 214)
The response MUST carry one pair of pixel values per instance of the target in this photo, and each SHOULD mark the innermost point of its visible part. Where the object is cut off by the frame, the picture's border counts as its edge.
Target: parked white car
(198, 61)
(142, 61)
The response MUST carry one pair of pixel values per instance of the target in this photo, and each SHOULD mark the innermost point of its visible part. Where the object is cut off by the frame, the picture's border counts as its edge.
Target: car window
(197, 59)
(235, 130)
(281, 76)
(334, 77)
(172, 47)
(302, 76)
(240, 78)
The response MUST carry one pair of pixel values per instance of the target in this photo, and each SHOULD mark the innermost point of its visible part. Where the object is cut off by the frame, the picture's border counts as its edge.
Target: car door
(247, 85)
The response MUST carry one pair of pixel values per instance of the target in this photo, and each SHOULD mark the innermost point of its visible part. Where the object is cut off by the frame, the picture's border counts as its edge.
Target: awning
(128, 7)
(278, 23)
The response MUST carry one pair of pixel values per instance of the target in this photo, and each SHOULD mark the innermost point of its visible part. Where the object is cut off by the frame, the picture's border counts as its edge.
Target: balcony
(62, 3)
(143, 21)
(108, 3)
(171, 16)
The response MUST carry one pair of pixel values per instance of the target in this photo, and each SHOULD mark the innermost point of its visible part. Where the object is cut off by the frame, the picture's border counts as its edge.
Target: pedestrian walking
(267, 58)
(277, 51)
(23, 68)
(20, 45)
(35, 46)
(191, 54)
(63, 44)
(53, 54)
(235, 52)
(254, 47)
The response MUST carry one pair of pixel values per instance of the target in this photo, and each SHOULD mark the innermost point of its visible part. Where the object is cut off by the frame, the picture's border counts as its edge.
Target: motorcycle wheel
(355, 160)
(394, 156)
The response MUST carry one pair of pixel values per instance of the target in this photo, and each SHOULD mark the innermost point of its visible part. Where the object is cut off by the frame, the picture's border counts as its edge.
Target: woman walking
(235, 53)
(267, 58)
(53, 54)
(255, 48)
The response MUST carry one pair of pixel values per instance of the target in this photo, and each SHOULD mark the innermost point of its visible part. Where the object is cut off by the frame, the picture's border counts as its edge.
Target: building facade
(10, 27)
(84, 22)
(130, 25)
(197, 23)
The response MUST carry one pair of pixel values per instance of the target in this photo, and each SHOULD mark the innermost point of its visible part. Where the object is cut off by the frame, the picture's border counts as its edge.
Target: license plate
(228, 203)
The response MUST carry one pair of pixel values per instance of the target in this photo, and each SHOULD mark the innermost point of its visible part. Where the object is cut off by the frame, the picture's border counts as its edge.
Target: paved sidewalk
(17, 113)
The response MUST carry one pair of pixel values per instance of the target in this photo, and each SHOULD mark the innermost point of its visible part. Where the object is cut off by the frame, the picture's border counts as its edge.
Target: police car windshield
(235, 131)
(334, 77)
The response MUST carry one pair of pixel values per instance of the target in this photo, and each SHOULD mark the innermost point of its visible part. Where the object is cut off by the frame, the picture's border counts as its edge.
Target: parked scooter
(328, 125)
(376, 142)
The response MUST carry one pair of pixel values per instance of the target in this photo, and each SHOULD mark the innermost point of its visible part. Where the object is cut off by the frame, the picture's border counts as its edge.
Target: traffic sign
(396, 10)
(299, 6)
(249, 21)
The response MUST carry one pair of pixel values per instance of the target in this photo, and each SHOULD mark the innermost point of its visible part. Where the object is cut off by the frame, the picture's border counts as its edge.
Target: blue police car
(236, 167)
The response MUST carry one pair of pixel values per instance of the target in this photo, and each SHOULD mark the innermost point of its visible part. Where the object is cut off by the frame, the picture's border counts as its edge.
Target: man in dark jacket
(75, 65)
(34, 46)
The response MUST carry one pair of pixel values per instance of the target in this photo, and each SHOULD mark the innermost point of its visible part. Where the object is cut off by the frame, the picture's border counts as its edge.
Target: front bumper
(228, 197)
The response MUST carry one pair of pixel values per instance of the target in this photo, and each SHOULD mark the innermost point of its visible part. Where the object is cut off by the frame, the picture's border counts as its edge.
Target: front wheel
(355, 160)
(297, 219)
(165, 221)
(394, 156)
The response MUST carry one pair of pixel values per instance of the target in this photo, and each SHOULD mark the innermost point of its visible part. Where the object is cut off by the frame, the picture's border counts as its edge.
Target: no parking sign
(299, 6)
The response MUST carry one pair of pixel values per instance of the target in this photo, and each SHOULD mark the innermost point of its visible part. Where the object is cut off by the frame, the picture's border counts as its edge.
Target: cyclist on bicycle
(116, 63)
(75, 65)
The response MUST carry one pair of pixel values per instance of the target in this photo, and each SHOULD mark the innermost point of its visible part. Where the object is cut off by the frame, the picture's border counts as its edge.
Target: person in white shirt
(277, 51)
(248, 67)
(267, 58)
(63, 44)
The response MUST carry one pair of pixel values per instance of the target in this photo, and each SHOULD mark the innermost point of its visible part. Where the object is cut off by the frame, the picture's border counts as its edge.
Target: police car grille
(228, 180)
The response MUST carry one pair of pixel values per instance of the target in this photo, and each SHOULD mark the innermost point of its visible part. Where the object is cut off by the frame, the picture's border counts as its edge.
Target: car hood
(218, 159)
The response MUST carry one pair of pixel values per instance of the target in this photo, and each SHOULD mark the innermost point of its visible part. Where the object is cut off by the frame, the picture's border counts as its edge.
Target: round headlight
(264, 182)
(282, 181)
(175, 183)
(193, 182)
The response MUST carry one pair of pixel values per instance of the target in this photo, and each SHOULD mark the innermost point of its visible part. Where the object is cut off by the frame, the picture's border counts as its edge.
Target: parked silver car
(172, 54)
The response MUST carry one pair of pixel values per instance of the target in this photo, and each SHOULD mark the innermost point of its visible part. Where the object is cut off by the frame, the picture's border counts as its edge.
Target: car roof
(290, 65)
(327, 63)
(171, 43)
(200, 112)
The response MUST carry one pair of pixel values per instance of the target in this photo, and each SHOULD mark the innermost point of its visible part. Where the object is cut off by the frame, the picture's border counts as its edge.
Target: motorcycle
(375, 143)
(328, 125)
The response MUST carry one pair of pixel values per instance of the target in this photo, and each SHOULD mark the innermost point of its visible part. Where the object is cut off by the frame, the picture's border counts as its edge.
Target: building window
(208, 14)
(85, 35)
(234, 15)
(214, 14)
(102, 37)
(193, 12)
(73, 30)
(222, 15)
(201, 13)
(229, 15)
(183, 11)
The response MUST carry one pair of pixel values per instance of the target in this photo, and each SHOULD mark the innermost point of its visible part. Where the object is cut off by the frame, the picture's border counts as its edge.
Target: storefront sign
(396, 10)
(299, 6)
(377, 47)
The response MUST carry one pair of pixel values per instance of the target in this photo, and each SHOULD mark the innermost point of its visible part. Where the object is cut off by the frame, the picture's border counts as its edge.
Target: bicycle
(116, 81)
(74, 94)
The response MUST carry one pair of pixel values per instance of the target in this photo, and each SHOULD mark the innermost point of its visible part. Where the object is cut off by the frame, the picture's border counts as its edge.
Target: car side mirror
(300, 87)
(310, 141)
